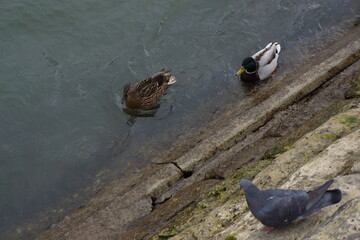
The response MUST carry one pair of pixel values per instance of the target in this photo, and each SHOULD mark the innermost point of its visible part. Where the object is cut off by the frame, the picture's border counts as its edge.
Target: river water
(63, 65)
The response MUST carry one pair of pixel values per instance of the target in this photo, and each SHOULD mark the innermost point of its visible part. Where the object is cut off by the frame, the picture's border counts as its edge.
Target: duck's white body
(267, 59)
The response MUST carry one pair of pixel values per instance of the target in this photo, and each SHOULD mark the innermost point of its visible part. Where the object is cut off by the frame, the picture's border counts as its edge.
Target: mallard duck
(260, 65)
(146, 93)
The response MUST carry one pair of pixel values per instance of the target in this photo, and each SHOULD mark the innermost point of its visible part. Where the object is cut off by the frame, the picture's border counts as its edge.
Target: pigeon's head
(249, 188)
(245, 184)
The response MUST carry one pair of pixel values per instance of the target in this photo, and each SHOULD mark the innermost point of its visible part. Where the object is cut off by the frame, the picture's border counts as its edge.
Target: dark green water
(63, 64)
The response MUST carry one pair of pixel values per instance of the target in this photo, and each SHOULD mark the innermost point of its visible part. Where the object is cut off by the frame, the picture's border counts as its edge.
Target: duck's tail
(278, 47)
(167, 73)
(172, 80)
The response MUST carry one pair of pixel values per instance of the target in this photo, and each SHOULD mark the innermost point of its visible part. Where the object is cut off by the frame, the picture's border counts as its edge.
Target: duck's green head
(248, 64)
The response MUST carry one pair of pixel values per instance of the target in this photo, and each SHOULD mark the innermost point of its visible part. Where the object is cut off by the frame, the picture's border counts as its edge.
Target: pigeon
(279, 207)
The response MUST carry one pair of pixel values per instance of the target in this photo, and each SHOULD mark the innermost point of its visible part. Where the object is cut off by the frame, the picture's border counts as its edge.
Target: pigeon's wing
(316, 194)
(328, 198)
(280, 207)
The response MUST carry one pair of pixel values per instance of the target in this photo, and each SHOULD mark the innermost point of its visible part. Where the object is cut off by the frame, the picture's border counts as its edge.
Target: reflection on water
(134, 113)
(63, 65)
(248, 87)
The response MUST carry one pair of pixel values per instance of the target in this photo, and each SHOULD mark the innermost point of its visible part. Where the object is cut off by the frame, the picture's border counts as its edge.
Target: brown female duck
(146, 93)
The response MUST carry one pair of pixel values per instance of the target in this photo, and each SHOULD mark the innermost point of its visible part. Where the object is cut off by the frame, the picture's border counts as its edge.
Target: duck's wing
(257, 55)
(145, 94)
(148, 87)
(267, 59)
(152, 86)
(266, 70)
(266, 55)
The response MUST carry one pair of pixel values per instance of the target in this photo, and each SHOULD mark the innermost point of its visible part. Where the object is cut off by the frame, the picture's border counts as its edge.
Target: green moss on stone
(350, 121)
(231, 237)
(201, 205)
(217, 191)
(167, 233)
(347, 171)
(276, 151)
(249, 171)
(331, 137)
(354, 90)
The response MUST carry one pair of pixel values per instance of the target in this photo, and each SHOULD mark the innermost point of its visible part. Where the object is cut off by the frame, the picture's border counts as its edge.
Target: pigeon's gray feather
(279, 207)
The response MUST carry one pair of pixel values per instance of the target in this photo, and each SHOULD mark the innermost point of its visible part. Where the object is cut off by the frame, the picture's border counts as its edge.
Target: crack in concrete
(186, 174)
(154, 202)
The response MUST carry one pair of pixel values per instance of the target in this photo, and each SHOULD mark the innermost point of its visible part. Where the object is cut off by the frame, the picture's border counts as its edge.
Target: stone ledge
(258, 115)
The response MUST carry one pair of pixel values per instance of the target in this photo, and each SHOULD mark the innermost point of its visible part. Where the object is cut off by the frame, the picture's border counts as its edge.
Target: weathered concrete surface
(247, 227)
(343, 224)
(116, 212)
(309, 146)
(313, 159)
(334, 160)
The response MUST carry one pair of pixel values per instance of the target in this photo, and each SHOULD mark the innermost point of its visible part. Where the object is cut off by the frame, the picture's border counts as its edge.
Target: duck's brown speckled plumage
(146, 93)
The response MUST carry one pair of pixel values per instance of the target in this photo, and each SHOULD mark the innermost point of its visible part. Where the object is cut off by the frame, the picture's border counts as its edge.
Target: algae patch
(354, 90)
(201, 205)
(249, 171)
(349, 121)
(276, 151)
(231, 237)
(331, 137)
(217, 191)
(167, 233)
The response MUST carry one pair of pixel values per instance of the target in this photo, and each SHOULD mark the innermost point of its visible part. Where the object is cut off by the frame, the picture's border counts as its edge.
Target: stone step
(330, 151)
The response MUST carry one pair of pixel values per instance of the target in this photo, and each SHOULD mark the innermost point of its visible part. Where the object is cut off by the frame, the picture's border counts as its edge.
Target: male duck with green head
(260, 65)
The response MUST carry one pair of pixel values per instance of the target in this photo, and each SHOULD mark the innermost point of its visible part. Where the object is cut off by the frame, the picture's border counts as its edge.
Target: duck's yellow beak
(238, 73)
